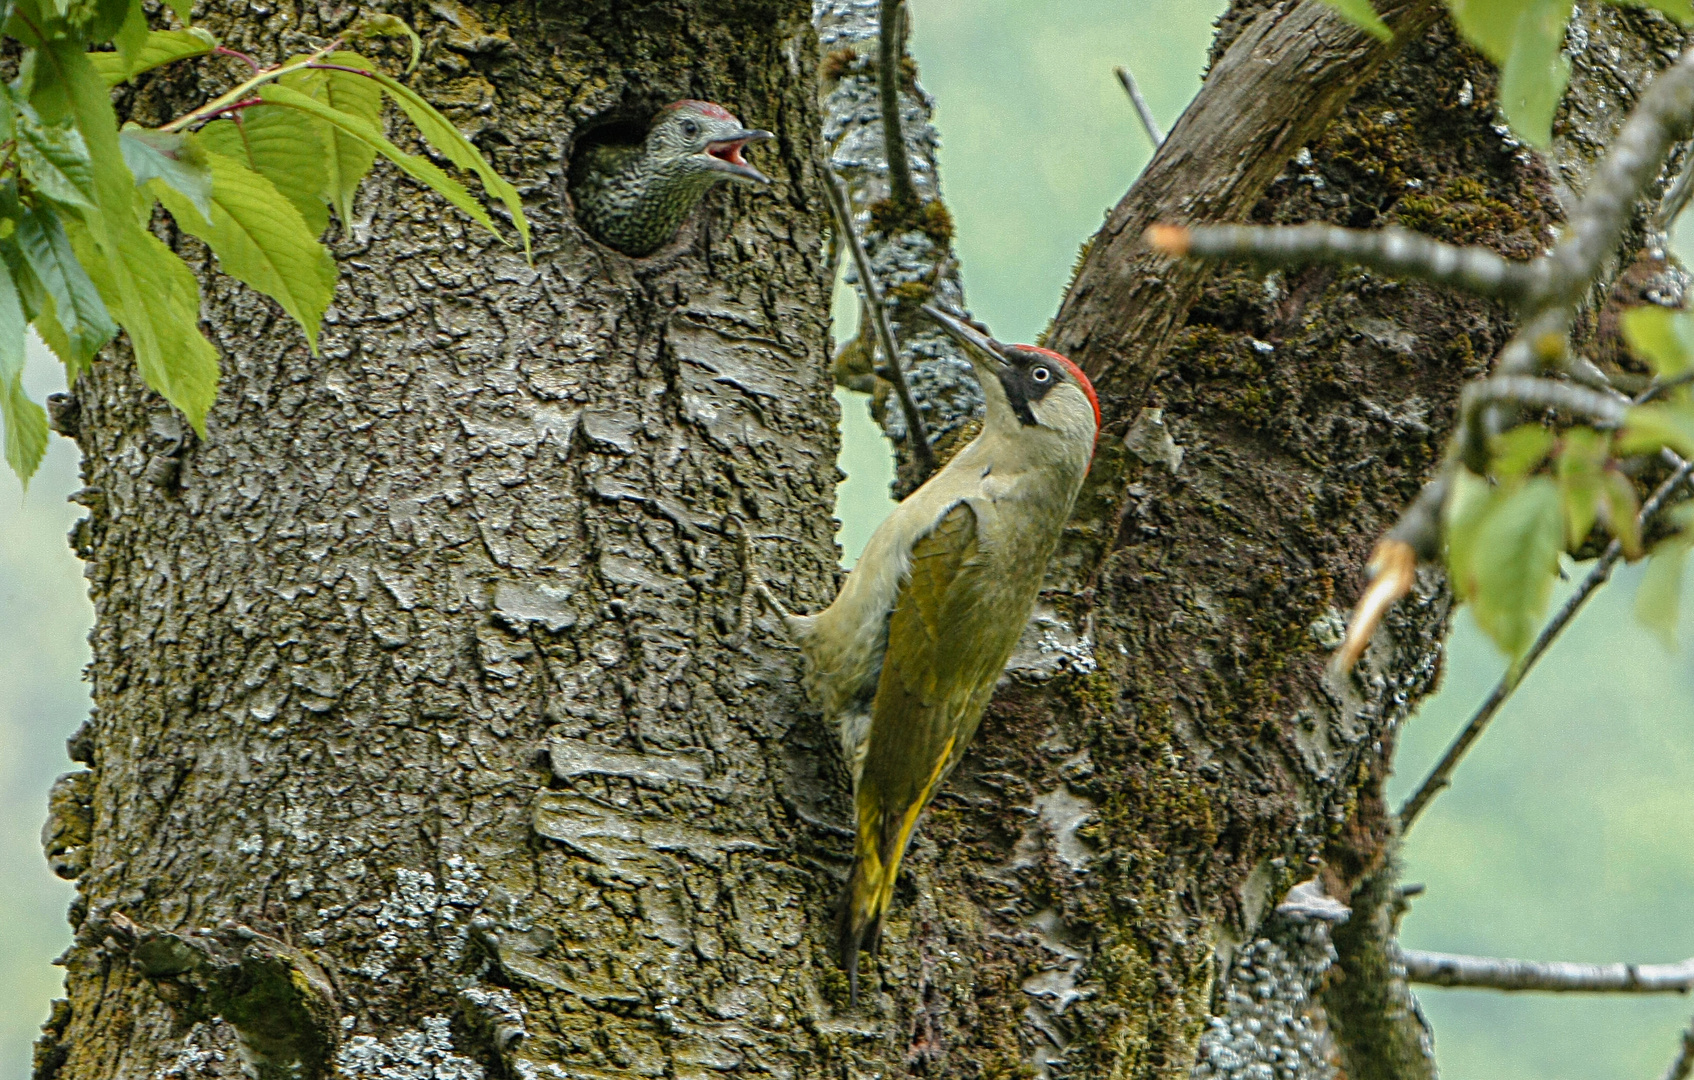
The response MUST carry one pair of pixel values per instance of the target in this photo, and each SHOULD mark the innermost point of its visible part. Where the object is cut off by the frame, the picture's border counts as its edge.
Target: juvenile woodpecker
(635, 198)
(904, 661)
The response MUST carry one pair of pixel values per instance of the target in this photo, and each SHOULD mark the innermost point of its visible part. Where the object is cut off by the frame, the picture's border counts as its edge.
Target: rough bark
(422, 723)
(421, 665)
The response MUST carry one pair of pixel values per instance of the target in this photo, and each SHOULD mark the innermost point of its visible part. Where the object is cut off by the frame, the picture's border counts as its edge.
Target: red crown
(1076, 373)
(704, 108)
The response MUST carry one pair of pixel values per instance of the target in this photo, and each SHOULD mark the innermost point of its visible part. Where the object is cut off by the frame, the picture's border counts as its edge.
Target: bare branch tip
(1393, 566)
(1169, 239)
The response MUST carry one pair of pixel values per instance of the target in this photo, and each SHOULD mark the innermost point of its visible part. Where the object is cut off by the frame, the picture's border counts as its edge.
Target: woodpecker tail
(870, 887)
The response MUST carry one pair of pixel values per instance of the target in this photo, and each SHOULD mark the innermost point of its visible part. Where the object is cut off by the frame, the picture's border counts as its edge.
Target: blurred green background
(1570, 829)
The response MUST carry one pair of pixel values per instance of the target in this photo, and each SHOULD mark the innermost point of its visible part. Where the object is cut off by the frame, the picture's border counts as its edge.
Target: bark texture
(426, 745)
(419, 667)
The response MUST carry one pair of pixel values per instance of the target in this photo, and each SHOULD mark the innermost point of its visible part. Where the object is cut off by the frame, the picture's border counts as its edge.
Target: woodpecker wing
(943, 657)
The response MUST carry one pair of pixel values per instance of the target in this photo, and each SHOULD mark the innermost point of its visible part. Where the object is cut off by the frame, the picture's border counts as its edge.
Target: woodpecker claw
(753, 590)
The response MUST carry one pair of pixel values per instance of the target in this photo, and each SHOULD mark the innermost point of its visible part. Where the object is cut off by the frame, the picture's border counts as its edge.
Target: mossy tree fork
(425, 742)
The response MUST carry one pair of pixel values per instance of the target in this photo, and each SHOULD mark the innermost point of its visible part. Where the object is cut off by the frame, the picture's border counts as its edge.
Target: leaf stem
(237, 98)
(223, 50)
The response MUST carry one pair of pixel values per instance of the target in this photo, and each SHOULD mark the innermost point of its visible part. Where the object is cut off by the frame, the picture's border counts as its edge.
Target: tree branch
(1555, 976)
(1684, 1061)
(901, 189)
(916, 434)
(1441, 776)
(1148, 124)
(1392, 251)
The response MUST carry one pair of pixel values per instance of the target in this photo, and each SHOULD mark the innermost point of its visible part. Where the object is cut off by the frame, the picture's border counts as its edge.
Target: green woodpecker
(635, 198)
(903, 663)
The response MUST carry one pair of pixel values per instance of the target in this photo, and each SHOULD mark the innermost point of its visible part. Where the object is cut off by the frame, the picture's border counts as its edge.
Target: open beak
(982, 349)
(724, 155)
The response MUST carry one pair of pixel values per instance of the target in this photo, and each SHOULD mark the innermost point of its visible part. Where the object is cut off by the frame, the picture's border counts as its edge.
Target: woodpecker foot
(753, 590)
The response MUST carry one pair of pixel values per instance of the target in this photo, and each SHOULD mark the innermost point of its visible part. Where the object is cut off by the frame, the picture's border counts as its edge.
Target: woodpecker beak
(983, 350)
(724, 155)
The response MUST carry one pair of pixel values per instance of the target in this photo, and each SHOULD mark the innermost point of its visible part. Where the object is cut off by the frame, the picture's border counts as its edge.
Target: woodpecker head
(1030, 391)
(704, 141)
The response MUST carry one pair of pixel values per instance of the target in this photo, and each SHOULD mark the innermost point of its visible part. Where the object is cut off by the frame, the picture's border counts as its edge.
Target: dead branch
(1554, 976)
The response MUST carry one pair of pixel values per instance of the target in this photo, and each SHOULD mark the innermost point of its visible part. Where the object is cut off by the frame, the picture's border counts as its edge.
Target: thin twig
(1148, 124)
(1476, 270)
(901, 189)
(1527, 390)
(1684, 1062)
(1441, 776)
(917, 435)
(224, 50)
(1556, 976)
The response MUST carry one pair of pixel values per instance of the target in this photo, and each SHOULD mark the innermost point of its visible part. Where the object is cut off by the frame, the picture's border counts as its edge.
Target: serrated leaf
(161, 47)
(25, 421)
(153, 295)
(281, 145)
(1581, 459)
(175, 160)
(112, 18)
(1658, 599)
(77, 309)
(1468, 504)
(440, 133)
(415, 167)
(1536, 71)
(1681, 11)
(130, 37)
(392, 26)
(1517, 452)
(182, 9)
(261, 240)
(1648, 427)
(1621, 510)
(1662, 337)
(1514, 562)
(347, 157)
(55, 160)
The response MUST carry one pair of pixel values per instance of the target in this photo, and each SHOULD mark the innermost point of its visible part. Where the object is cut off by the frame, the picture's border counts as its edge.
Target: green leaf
(1648, 427)
(1621, 509)
(182, 9)
(1535, 72)
(440, 133)
(347, 156)
(392, 26)
(145, 286)
(1581, 460)
(1662, 337)
(1517, 452)
(1361, 14)
(113, 19)
(1468, 504)
(77, 310)
(260, 239)
(130, 37)
(25, 421)
(173, 159)
(1658, 599)
(161, 47)
(415, 167)
(1514, 563)
(282, 146)
(1489, 24)
(1681, 11)
(55, 160)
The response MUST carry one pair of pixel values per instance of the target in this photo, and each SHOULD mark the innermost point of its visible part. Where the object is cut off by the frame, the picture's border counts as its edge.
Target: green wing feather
(935, 683)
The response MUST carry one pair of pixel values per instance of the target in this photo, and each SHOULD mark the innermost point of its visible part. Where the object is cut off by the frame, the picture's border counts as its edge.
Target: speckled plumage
(635, 197)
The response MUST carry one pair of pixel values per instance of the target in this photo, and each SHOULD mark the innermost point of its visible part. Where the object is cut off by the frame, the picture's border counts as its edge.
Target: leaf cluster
(254, 174)
(1525, 38)
(1547, 490)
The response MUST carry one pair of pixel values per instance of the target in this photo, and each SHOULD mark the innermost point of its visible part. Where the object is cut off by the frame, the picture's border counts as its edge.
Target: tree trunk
(427, 742)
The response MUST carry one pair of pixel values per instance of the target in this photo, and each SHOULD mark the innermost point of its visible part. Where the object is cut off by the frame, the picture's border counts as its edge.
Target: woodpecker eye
(1041, 375)
(690, 128)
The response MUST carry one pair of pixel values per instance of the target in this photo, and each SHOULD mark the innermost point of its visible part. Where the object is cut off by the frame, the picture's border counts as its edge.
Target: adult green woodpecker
(635, 198)
(903, 663)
